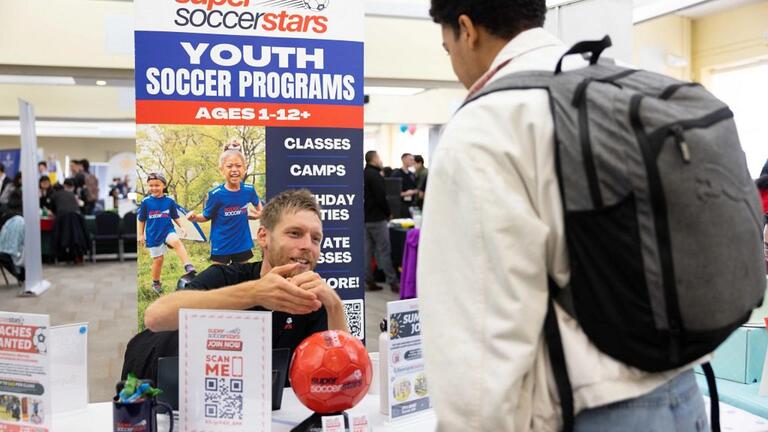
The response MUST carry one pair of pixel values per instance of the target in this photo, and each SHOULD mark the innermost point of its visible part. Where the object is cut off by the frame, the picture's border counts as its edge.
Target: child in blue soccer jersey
(157, 213)
(228, 210)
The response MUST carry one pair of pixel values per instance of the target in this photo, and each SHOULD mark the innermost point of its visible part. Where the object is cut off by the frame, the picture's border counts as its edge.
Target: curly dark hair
(502, 18)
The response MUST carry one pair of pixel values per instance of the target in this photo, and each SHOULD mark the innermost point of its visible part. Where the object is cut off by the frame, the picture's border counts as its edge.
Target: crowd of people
(67, 202)
(81, 187)
(413, 184)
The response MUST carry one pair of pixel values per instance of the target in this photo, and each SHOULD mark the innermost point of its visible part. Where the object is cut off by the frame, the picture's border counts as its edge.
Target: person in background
(492, 236)
(90, 187)
(78, 177)
(42, 169)
(8, 190)
(115, 191)
(63, 199)
(4, 180)
(421, 178)
(45, 190)
(70, 238)
(386, 171)
(409, 189)
(12, 238)
(377, 215)
(762, 186)
(74, 171)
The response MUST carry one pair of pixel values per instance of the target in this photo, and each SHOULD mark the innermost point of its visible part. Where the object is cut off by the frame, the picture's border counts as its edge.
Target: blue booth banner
(10, 160)
(281, 78)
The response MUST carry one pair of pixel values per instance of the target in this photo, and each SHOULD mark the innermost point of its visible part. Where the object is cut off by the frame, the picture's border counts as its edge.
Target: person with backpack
(551, 297)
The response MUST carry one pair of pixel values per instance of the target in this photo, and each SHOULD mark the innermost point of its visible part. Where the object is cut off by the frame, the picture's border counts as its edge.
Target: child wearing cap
(156, 213)
(227, 207)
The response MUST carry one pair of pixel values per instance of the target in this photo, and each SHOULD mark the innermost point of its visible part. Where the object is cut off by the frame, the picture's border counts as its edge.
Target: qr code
(355, 312)
(224, 398)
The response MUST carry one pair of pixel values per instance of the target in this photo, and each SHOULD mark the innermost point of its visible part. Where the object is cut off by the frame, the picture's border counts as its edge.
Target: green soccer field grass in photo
(173, 269)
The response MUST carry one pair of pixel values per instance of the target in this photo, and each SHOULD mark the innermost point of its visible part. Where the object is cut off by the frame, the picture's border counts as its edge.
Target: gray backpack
(662, 220)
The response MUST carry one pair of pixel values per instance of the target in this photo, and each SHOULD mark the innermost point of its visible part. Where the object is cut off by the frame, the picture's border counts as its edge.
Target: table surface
(98, 417)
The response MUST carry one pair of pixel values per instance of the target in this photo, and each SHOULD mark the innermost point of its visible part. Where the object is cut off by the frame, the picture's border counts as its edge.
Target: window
(745, 90)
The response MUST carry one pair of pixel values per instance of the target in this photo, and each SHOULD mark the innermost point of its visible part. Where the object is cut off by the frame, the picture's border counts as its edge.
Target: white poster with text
(25, 396)
(407, 384)
(225, 370)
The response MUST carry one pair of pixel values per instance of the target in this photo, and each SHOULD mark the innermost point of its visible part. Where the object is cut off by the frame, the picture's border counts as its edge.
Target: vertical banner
(34, 284)
(280, 79)
(25, 393)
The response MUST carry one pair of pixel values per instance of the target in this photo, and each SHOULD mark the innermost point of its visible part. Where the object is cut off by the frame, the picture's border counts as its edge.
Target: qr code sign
(224, 398)
(355, 312)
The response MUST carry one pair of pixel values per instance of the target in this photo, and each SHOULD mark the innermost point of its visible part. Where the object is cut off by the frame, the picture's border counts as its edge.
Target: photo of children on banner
(156, 216)
(229, 207)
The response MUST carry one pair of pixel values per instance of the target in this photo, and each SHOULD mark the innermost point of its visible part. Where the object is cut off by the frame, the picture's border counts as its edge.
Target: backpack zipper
(661, 225)
(685, 151)
(677, 130)
(587, 155)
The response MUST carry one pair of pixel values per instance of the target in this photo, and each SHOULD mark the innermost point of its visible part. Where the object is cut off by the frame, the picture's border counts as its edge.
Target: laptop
(168, 378)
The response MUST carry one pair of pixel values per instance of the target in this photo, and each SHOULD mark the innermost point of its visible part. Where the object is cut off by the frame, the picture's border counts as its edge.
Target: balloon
(403, 128)
(412, 129)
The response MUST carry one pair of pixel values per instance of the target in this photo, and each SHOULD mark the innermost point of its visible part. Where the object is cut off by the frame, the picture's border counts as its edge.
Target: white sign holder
(69, 367)
(225, 370)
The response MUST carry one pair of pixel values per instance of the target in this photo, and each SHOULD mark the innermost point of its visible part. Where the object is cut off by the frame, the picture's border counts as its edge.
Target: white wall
(95, 150)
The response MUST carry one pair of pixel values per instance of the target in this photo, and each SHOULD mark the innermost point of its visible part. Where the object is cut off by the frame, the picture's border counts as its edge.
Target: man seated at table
(285, 283)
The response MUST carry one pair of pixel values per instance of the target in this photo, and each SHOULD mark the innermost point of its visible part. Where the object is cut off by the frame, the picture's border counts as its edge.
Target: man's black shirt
(375, 195)
(287, 330)
(409, 179)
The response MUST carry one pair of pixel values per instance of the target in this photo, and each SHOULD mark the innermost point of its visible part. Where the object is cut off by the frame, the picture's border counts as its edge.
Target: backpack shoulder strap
(515, 81)
(557, 360)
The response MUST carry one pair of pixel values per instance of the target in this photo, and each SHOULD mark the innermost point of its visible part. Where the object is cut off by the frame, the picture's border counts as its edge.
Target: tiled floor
(102, 294)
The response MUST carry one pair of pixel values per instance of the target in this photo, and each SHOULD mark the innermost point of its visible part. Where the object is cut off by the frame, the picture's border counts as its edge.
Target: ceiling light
(101, 83)
(36, 79)
(393, 91)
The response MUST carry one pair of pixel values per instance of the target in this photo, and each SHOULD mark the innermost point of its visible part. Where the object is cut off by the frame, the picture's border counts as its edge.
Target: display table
(98, 417)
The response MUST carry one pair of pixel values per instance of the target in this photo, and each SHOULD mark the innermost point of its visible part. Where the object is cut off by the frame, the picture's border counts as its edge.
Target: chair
(128, 234)
(70, 237)
(7, 262)
(107, 234)
(168, 380)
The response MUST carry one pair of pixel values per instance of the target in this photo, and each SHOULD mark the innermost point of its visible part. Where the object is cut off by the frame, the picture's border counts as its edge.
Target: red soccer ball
(330, 372)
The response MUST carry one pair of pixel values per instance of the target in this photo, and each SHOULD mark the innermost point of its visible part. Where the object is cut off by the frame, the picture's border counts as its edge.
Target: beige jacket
(492, 232)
